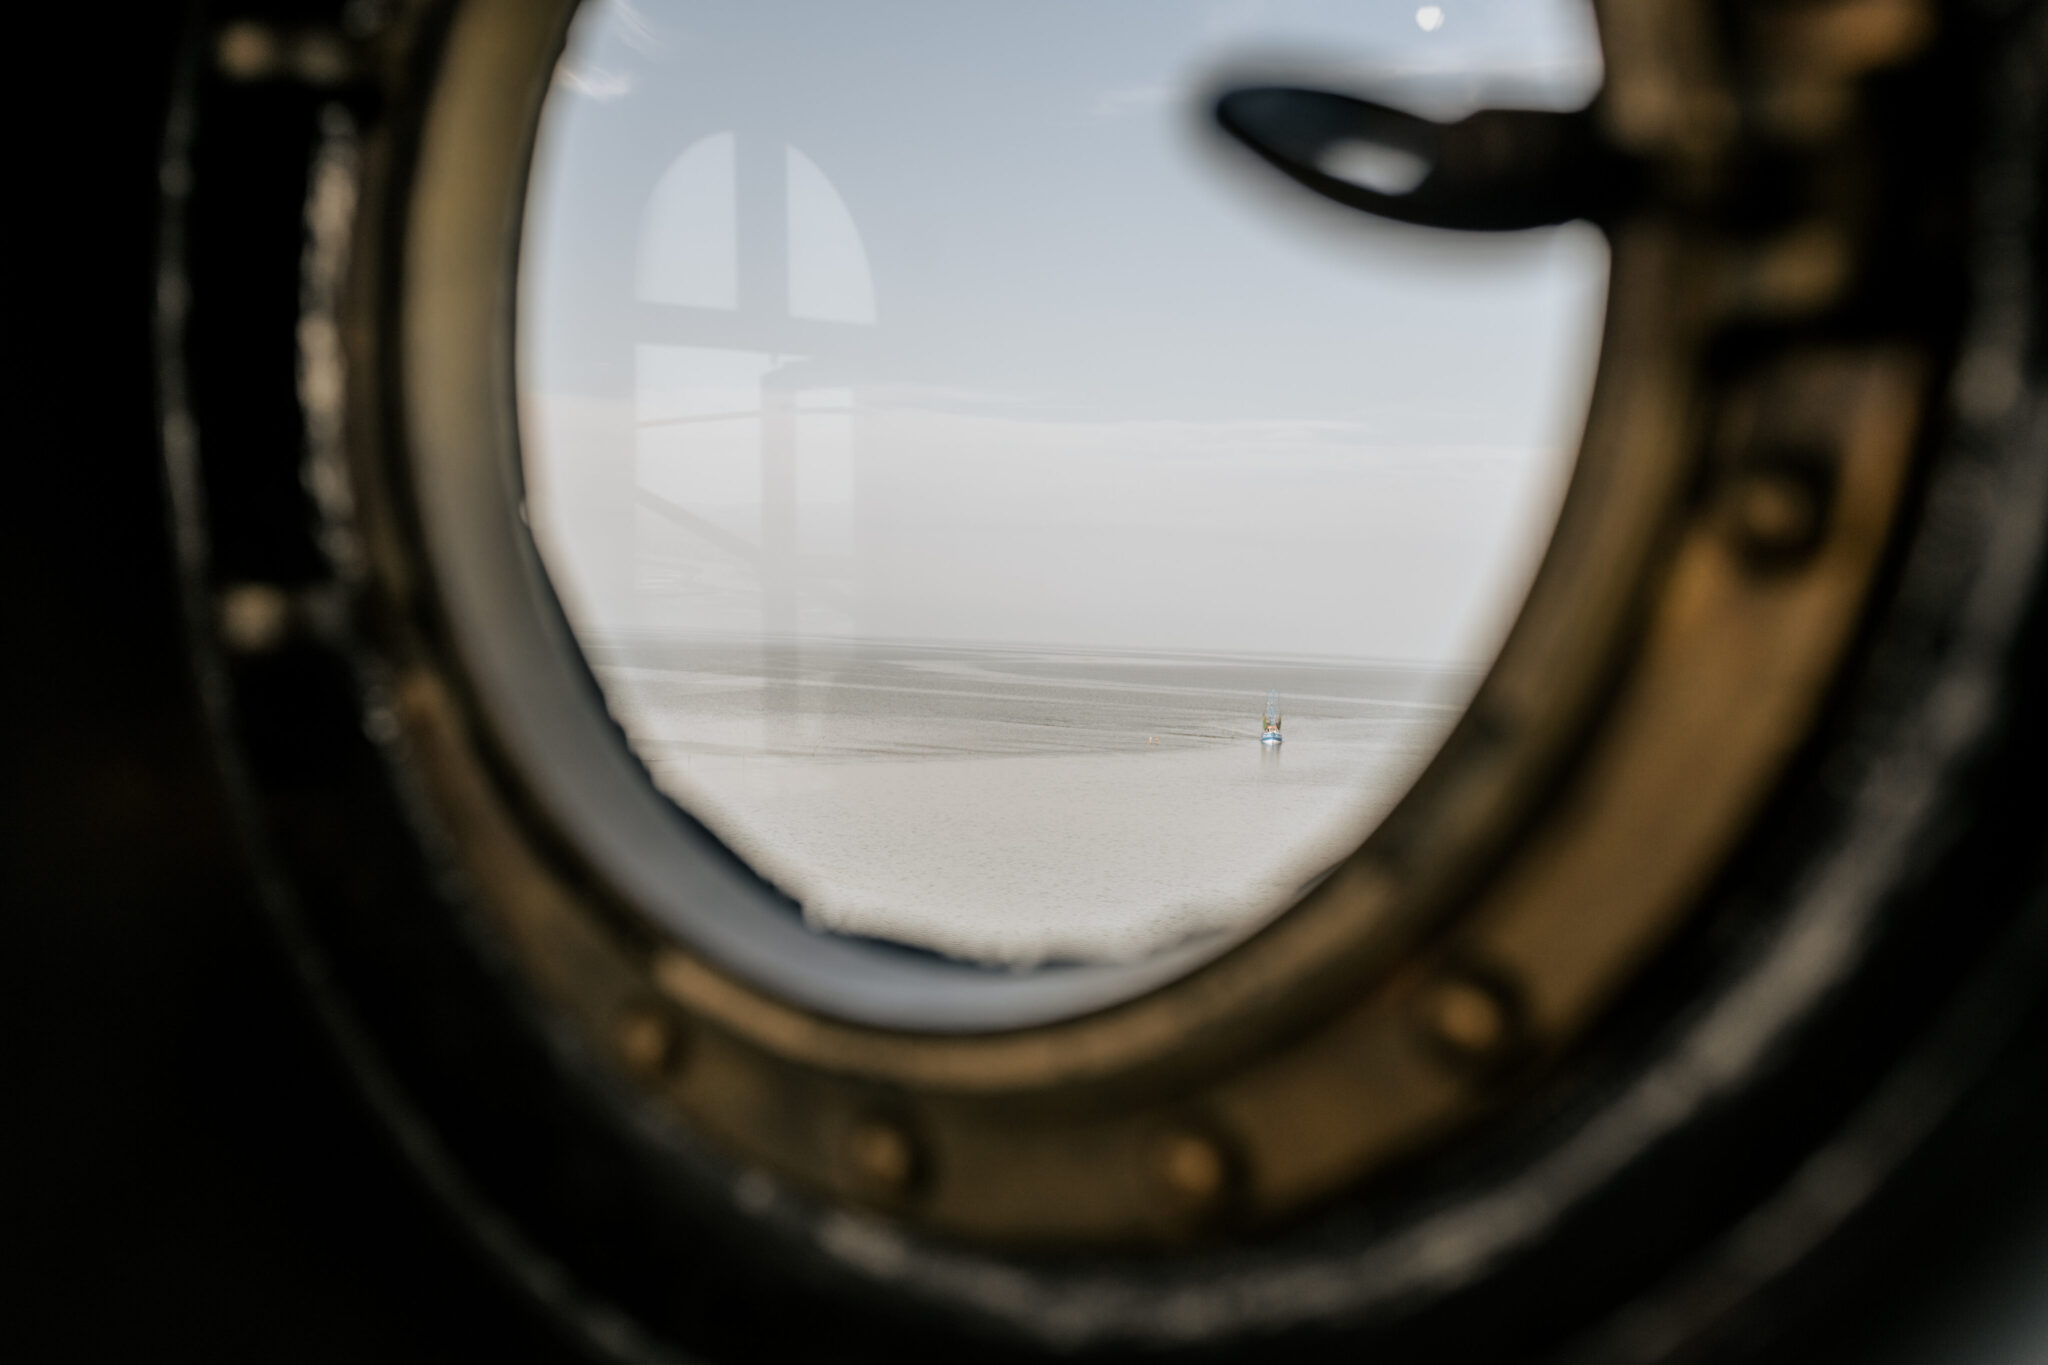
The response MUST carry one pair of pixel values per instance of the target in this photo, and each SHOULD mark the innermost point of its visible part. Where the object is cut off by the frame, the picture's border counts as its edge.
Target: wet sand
(1013, 806)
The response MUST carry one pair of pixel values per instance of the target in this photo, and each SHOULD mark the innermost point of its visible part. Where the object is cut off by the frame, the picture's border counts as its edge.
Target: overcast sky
(954, 321)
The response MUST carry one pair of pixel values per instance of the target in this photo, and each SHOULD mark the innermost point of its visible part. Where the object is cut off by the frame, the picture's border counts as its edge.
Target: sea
(1013, 806)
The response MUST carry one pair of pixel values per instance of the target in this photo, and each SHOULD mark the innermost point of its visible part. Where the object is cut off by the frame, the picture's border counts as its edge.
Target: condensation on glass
(1014, 524)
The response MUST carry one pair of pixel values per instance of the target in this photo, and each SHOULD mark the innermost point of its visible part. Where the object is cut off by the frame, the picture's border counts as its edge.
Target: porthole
(759, 464)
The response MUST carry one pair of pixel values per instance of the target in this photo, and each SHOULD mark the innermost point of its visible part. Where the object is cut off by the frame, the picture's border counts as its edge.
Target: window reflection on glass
(1013, 523)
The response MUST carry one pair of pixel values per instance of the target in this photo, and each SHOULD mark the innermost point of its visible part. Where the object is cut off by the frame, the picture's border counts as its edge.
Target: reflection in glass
(949, 456)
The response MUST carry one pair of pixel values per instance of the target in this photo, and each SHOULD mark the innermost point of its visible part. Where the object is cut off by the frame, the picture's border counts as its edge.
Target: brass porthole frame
(1666, 664)
(1848, 195)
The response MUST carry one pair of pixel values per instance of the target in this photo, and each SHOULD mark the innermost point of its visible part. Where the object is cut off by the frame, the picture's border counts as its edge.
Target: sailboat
(1271, 734)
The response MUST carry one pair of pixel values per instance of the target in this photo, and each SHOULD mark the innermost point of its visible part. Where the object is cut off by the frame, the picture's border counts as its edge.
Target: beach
(1014, 806)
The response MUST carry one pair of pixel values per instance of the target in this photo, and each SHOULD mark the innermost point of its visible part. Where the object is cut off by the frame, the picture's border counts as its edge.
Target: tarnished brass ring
(1634, 722)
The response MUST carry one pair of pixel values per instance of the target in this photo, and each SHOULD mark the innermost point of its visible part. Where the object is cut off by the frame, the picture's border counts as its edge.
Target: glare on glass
(960, 469)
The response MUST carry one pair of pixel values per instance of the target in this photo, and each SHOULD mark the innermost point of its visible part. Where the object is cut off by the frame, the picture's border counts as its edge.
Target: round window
(1013, 522)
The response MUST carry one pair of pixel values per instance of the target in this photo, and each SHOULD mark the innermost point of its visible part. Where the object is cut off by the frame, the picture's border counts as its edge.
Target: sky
(957, 321)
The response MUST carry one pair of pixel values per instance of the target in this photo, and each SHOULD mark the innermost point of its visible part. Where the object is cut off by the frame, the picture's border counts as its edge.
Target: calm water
(1016, 806)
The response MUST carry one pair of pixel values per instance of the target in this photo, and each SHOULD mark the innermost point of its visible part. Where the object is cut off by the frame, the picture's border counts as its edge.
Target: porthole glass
(1017, 525)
